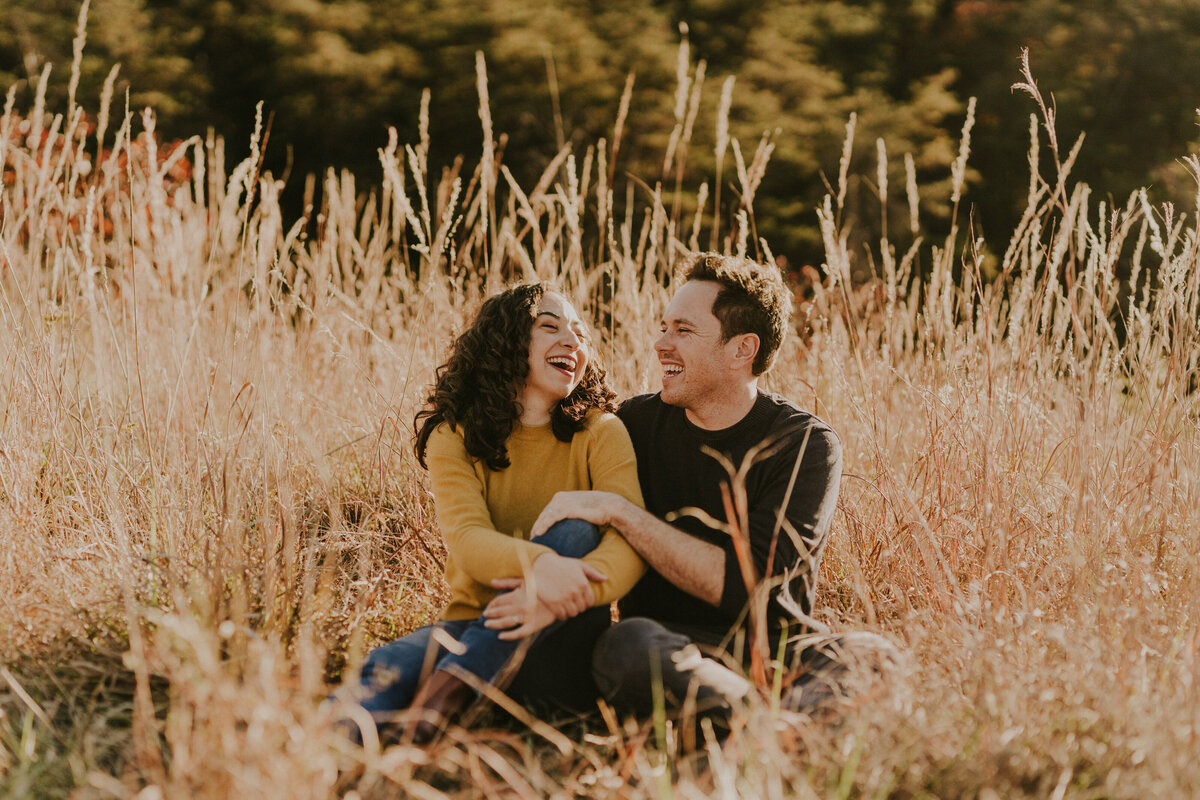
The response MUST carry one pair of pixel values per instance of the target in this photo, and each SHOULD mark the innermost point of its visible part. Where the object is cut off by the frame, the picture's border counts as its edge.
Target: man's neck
(726, 410)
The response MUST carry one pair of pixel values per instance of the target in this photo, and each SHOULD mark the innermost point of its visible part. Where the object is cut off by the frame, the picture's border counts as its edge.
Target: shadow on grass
(66, 716)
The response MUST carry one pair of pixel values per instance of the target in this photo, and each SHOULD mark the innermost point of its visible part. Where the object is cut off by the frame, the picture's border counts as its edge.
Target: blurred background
(334, 74)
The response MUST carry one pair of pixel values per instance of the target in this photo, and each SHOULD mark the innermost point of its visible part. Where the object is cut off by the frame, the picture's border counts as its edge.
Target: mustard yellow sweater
(485, 515)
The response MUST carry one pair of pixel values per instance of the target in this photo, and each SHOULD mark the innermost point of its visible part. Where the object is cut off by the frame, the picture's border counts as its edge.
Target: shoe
(817, 693)
(440, 699)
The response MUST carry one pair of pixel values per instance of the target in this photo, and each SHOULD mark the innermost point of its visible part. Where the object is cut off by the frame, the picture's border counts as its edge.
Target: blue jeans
(391, 674)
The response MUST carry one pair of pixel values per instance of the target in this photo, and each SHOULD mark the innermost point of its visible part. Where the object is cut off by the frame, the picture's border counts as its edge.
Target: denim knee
(389, 677)
(573, 538)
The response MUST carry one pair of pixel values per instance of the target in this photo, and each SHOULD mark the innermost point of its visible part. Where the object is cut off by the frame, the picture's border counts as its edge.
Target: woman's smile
(558, 358)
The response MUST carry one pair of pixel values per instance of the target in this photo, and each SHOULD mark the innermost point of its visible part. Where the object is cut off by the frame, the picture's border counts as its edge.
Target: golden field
(209, 506)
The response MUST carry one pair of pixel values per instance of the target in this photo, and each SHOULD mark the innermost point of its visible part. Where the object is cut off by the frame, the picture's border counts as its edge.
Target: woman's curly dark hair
(476, 389)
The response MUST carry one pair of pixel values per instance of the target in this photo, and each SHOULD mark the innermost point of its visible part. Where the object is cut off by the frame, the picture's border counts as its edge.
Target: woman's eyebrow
(575, 324)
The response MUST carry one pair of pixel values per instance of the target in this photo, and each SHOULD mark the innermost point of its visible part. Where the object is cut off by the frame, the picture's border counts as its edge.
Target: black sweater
(676, 474)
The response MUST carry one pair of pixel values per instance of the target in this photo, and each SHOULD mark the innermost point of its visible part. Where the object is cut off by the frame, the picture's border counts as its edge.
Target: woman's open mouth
(564, 364)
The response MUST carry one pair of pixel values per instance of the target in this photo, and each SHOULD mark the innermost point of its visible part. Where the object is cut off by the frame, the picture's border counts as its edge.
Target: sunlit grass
(210, 507)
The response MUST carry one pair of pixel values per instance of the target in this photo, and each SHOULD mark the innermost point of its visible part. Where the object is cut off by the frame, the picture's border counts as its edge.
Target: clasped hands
(558, 587)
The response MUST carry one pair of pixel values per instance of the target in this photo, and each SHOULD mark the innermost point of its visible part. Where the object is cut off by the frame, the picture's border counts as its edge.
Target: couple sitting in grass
(553, 503)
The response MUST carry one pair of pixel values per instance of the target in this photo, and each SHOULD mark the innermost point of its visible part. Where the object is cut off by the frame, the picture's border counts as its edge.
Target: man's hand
(598, 508)
(515, 613)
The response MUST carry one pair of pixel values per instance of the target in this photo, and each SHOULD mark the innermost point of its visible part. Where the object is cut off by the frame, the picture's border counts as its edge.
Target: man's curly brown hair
(752, 299)
(476, 388)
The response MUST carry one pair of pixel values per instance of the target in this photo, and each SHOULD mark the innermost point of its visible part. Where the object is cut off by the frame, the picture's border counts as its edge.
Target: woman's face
(558, 357)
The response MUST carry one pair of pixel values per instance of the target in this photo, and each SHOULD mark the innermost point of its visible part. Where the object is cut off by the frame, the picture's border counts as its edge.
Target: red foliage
(38, 156)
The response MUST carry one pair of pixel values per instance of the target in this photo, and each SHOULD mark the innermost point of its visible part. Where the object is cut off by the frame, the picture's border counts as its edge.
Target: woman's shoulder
(598, 418)
(446, 437)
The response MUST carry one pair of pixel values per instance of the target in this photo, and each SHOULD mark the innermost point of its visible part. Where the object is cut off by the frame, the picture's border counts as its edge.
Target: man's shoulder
(640, 402)
(648, 419)
(789, 409)
(789, 420)
(641, 407)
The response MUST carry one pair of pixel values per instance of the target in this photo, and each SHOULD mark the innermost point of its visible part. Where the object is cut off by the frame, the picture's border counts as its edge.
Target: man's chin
(671, 397)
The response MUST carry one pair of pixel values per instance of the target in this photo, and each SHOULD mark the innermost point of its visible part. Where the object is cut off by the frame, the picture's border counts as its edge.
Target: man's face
(697, 364)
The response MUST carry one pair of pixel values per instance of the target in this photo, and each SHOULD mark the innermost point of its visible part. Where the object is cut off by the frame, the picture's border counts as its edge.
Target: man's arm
(802, 480)
(693, 565)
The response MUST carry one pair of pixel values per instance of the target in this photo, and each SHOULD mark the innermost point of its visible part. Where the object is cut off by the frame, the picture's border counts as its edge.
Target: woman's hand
(515, 613)
(559, 588)
(564, 585)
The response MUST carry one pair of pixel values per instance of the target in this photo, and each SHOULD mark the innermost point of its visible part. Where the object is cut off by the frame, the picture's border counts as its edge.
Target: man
(720, 333)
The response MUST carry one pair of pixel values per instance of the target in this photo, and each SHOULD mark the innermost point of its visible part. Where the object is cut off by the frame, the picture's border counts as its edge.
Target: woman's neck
(533, 412)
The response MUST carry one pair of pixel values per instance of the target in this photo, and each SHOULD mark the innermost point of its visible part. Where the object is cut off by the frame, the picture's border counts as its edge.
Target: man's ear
(745, 349)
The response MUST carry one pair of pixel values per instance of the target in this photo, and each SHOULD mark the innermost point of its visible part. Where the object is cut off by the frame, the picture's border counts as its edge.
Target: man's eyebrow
(678, 321)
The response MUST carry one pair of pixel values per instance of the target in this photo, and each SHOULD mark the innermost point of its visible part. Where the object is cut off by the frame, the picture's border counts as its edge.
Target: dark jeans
(635, 657)
(392, 673)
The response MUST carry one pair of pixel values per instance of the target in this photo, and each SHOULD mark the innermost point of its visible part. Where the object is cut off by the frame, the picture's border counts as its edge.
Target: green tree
(802, 68)
(334, 74)
(154, 67)
(1123, 72)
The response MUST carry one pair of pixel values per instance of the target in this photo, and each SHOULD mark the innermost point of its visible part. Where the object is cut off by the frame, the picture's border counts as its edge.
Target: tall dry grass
(210, 509)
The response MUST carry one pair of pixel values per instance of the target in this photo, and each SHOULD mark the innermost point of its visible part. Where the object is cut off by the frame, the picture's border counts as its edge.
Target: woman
(519, 411)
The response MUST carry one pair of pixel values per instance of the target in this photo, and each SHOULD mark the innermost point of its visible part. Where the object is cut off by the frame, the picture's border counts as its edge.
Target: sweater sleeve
(808, 514)
(613, 468)
(476, 547)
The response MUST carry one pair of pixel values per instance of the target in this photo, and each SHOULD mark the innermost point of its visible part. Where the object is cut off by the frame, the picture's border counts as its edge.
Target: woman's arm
(477, 548)
(612, 468)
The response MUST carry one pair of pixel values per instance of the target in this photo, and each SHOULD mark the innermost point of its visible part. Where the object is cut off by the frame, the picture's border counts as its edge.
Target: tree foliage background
(334, 74)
